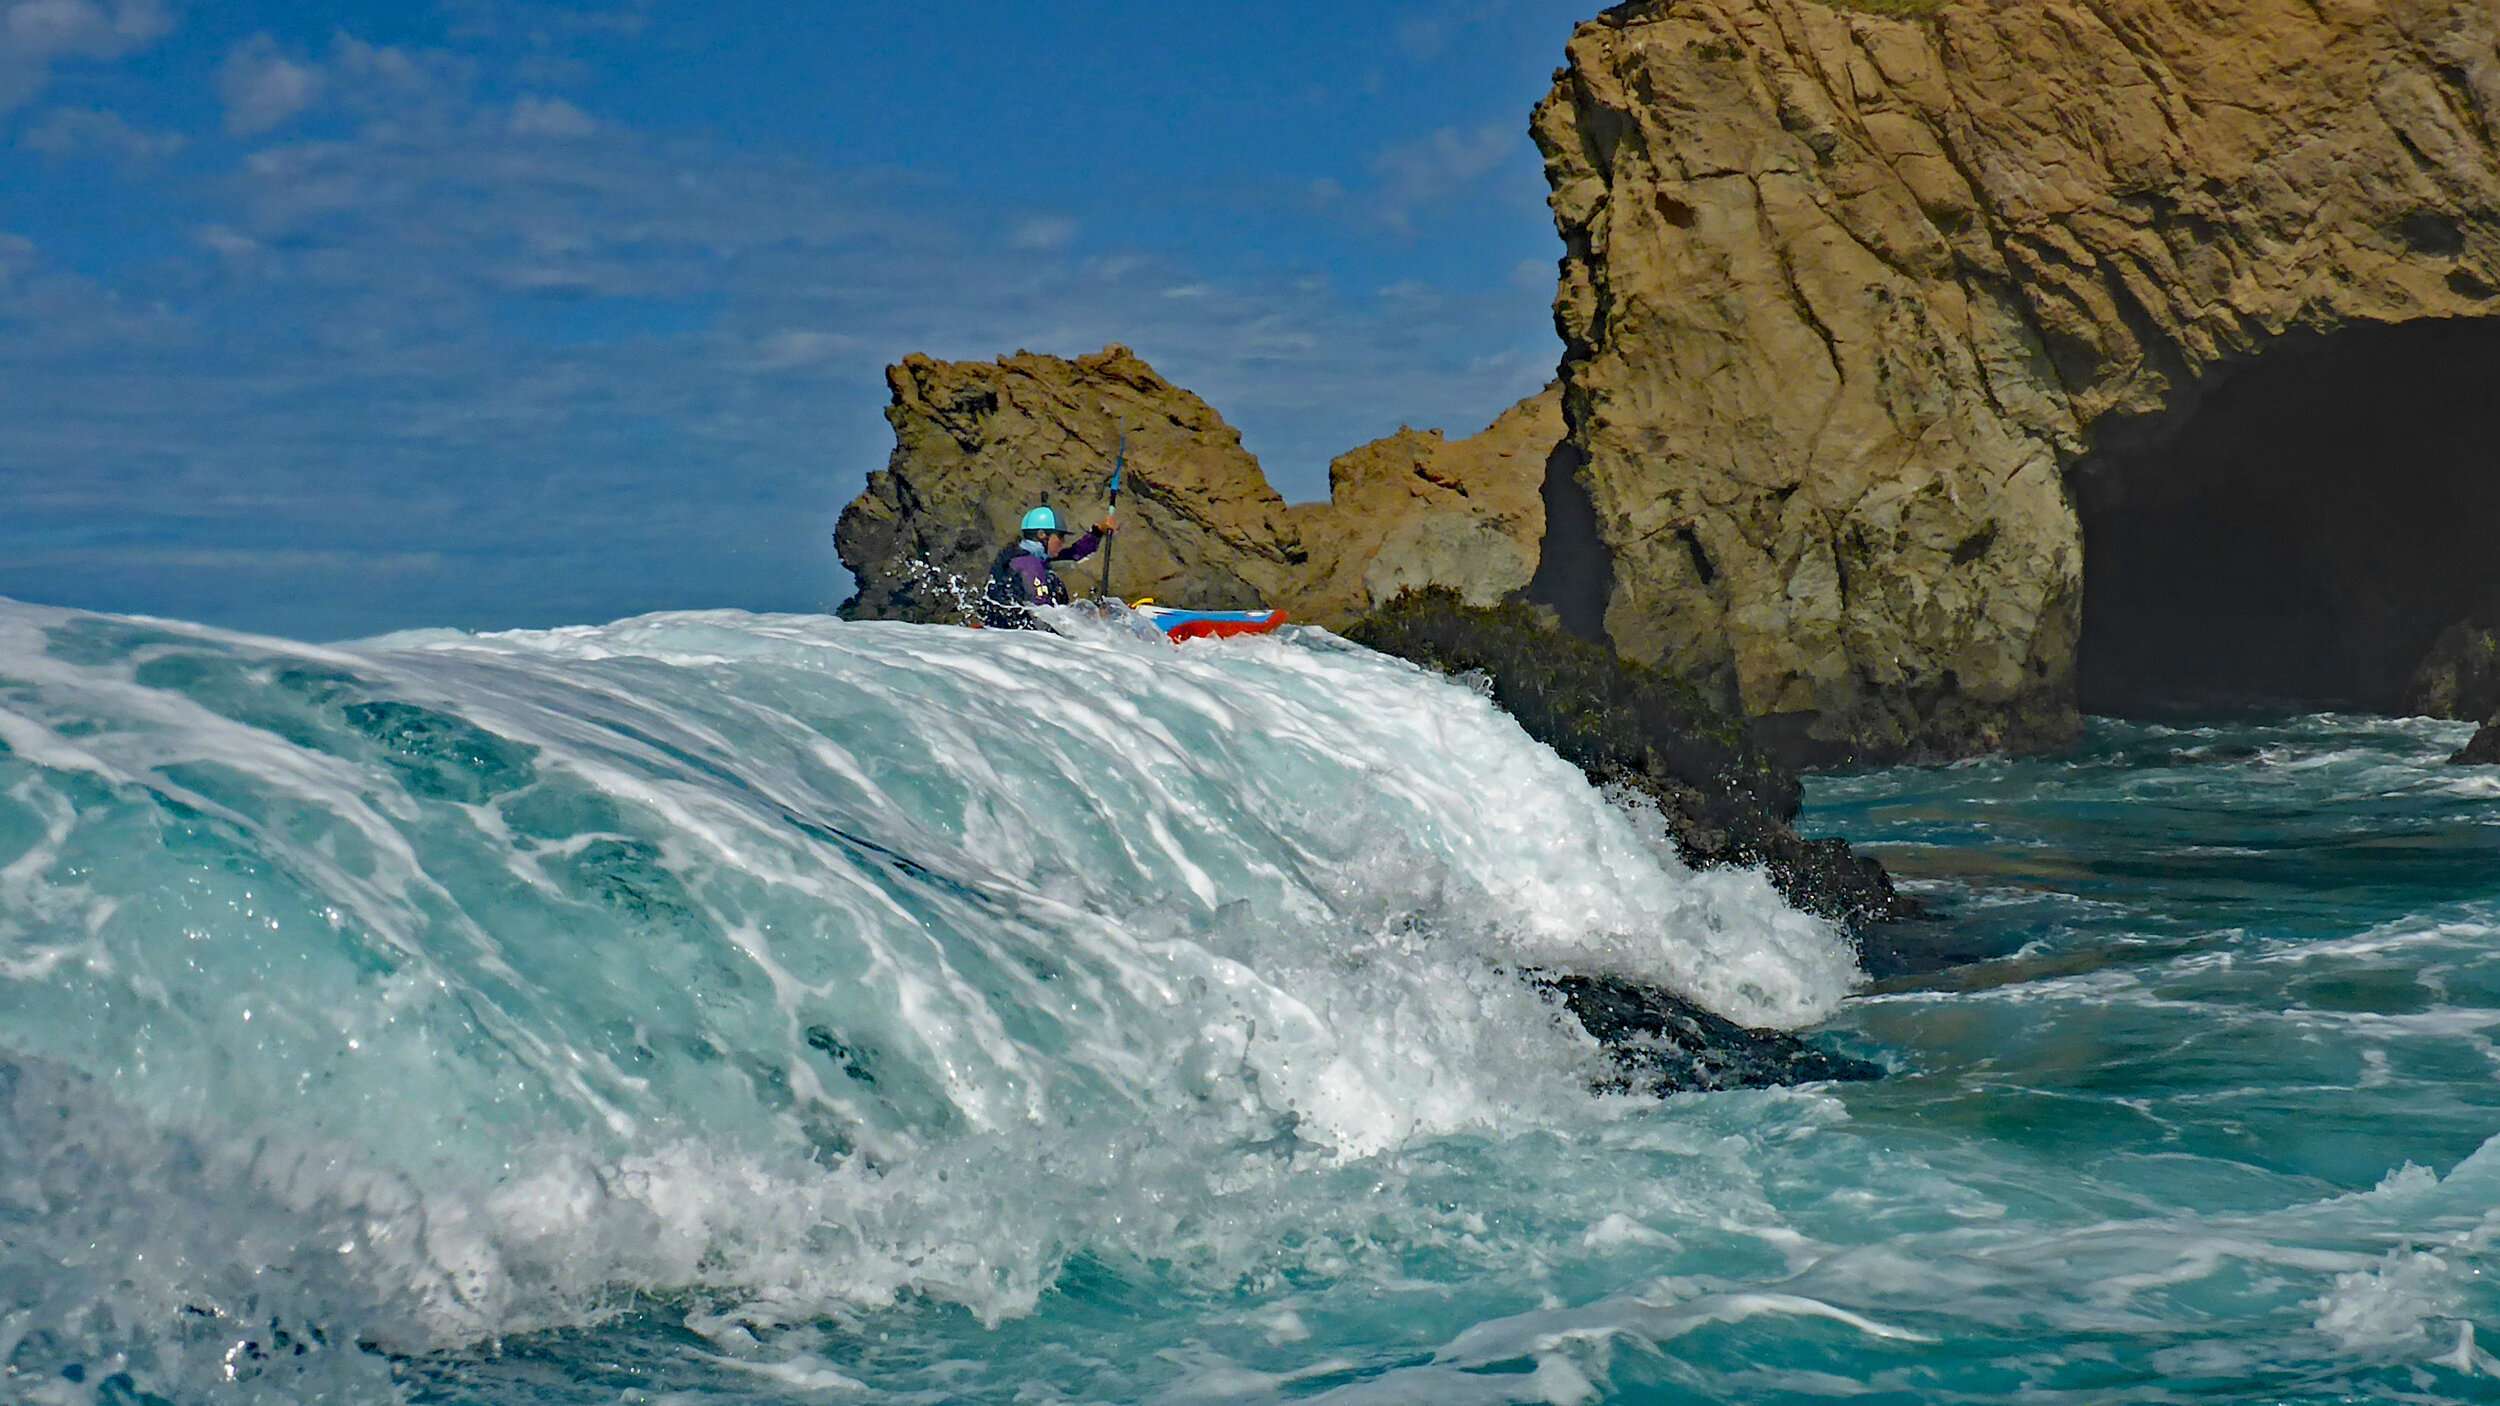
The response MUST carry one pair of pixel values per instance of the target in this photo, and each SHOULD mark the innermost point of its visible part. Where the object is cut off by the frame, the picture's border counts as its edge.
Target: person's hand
(1108, 525)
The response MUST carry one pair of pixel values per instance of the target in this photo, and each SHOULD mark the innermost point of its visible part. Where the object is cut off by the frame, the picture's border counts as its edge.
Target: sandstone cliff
(1420, 509)
(1858, 310)
(976, 443)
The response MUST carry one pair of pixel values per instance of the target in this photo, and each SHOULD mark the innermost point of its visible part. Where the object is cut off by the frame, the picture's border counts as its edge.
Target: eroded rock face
(1420, 509)
(1849, 302)
(976, 443)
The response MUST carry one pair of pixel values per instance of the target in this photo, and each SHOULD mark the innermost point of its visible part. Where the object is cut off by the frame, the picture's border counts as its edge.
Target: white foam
(816, 965)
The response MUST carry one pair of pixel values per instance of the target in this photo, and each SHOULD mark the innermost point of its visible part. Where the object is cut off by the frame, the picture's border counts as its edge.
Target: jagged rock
(976, 443)
(1662, 1044)
(2460, 677)
(1850, 303)
(1419, 509)
(1725, 800)
(2483, 749)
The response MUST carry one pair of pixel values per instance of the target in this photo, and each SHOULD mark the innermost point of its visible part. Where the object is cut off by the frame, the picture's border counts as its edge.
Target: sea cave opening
(2300, 537)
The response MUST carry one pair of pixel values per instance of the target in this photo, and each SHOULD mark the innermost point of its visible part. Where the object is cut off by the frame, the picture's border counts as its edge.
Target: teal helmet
(1042, 520)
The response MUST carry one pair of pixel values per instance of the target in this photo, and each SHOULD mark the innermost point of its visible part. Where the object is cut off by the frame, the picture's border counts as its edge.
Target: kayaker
(1021, 578)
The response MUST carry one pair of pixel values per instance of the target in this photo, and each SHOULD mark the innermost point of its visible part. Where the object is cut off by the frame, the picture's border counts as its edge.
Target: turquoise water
(721, 1008)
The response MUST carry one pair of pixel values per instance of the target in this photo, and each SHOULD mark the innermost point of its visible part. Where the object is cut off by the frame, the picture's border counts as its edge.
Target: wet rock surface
(1724, 798)
(1663, 1044)
(2483, 749)
(2460, 676)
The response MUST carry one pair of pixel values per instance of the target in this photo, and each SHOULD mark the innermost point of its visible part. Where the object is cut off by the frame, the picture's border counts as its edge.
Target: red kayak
(1210, 624)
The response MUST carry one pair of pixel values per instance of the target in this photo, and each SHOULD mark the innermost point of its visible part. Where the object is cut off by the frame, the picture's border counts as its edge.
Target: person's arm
(1088, 544)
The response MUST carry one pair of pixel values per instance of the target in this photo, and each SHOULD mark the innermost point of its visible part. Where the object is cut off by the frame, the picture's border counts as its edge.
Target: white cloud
(1426, 34)
(1110, 267)
(793, 349)
(1434, 169)
(1043, 232)
(225, 242)
(262, 88)
(402, 89)
(536, 116)
(78, 131)
(35, 35)
(545, 26)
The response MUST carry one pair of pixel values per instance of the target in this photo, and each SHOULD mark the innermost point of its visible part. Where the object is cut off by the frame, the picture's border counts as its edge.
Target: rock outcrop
(1661, 1044)
(2460, 677)
(2483, 749)
(976, 443)
(1420, 509)
(1856, 308)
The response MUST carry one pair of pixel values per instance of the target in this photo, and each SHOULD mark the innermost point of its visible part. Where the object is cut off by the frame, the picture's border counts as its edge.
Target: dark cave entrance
(2301, 536)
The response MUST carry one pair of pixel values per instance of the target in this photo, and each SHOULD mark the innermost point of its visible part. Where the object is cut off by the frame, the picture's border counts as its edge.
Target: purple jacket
(1035, 572)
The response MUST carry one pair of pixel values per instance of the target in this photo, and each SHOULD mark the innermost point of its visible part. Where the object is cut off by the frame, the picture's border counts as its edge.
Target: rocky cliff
(1867, 317)
(1419, 508)
(976, 443)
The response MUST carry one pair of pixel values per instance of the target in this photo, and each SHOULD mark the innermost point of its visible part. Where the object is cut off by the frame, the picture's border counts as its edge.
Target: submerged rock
(1663, 1044)
(2484, 749)
(1725, 800)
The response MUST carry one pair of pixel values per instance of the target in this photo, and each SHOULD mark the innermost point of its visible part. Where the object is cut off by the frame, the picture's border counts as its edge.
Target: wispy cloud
(1042, 232)
(535, 116)
(545, 25)
(17, 254)
(84, 131)
(36, 36)
(226, 242)
(1416, 175)
(1426, 34)
(262, 88)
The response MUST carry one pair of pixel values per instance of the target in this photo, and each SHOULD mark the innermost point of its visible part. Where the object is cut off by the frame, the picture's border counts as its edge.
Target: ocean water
(714, 1008)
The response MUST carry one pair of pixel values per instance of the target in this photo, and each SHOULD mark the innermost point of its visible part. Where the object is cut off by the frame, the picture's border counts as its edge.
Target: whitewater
(719, 1007)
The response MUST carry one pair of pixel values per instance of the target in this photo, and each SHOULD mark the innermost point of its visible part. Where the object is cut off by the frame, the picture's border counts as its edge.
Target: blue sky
(330, 319)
